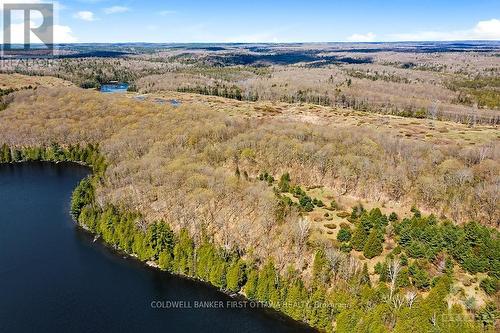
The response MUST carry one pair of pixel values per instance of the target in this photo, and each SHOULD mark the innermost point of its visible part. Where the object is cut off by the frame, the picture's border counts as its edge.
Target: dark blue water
(54, 278)
(114, 88)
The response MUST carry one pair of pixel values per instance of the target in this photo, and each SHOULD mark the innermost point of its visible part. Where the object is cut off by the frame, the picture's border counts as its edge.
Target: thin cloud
(116, 10)
(85, 15)
(483, 30)
(369, 37)
(62, 34)
(253, 38)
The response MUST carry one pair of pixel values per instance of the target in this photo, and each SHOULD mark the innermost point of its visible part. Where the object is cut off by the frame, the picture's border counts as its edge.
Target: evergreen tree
(420, 277)
(160, 238)
(373, 245)
(295, 299)
(236, 275)
(17, 156)
(284, 183)
(347, 320)
(5, 154)
(488, 315)
(140, 247)
(183, 254)
(344, 235)
(218, 273)
(165, 260)
(393, 217)
(318, 312)
(359, 238)
(267, 286)
(82, 195)
(205, 259)
(251, 284)
(490, 285)
(365, 276)
(321, 267)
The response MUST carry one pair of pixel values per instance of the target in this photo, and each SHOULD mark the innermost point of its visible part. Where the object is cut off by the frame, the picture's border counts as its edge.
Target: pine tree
(251, 284)
(321, 267)
(344, 235)
(218, 273)
(165, 260)
(183, 254)
(267, 285)
(236, 275)
(205, 260)
(393, 217)
(359, 238)
(82, 195)
(294, 304)
(284, 183)
(347, 320)
(318, 312)
(5, 154)
(373, 246)
(365, 276)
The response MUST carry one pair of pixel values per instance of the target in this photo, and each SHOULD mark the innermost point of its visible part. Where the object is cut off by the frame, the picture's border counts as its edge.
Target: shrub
(344, 235)
(393, 217)
(345, 247)
(357, 211)
(343, 215)
(334, 205)
(306, 203)
(284, 183)
(490, 285)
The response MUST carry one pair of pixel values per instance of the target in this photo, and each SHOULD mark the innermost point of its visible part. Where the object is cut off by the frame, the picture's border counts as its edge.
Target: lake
(114, 88)
(55, 278)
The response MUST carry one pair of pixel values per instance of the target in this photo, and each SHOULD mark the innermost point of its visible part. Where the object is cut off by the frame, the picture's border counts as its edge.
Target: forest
(448, 82)
(240, 189)
(371, 212)
(391, 304)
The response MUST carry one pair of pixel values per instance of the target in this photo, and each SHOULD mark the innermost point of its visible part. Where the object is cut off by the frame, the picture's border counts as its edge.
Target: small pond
(114, 87)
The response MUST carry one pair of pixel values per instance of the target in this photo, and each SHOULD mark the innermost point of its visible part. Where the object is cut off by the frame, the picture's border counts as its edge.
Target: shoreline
(239, 296)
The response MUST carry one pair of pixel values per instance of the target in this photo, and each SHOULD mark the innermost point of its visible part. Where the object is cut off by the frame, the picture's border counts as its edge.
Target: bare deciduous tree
(394, 269)
(303, 228)
(411, 296)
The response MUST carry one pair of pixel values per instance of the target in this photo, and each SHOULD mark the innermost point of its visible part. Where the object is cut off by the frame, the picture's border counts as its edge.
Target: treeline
(4, 102)
(345, 88)
(221, 90)
(375, 75)
(351, 304)
(88, 155)
(181, 254)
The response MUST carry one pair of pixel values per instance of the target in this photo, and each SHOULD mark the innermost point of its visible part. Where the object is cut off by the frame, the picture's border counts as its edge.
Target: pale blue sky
(275, 21)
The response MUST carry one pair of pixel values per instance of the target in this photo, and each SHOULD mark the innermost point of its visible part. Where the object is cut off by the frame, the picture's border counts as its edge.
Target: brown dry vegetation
(441, 82)
(426, 85)
(179, 163)
(17, 81)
